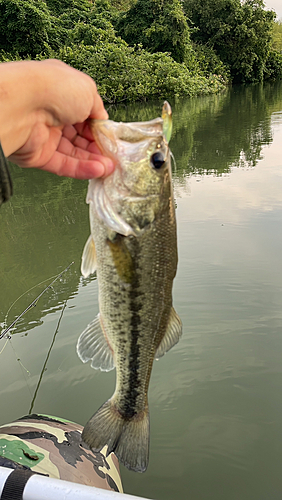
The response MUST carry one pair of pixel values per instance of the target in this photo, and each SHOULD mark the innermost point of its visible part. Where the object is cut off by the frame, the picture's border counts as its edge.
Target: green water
(216, 398)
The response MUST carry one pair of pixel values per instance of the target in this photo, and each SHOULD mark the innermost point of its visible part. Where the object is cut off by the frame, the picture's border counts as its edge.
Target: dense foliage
(141, 49)
(82, 34)
(24, 26)
(159, 25)
(277, 36)
(240, 33)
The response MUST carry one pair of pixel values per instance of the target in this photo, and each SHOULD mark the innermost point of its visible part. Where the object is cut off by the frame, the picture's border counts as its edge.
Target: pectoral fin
(172, 335)
(92, 345)
(88, 261)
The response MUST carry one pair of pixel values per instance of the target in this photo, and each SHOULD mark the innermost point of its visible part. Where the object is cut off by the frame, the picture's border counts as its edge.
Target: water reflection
(213, 133)
(46, 360)
(230, 133)
(41, 233)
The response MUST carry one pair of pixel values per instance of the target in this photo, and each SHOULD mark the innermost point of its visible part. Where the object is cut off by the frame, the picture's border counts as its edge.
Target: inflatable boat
(43, 458)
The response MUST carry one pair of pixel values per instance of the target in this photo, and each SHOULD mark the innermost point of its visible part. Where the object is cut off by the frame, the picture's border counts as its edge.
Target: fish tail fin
(128, 438)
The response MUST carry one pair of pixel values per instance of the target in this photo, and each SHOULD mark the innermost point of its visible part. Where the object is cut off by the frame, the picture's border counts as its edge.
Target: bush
(277, 36)
(126, 74)
(58, 7)
(24, 26)
(239, 33)
(159, 25)
(210, 62)
(81, 34)
(273, 66)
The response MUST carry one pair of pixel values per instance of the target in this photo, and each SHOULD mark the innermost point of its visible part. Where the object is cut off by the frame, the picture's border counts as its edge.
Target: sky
(275, 5)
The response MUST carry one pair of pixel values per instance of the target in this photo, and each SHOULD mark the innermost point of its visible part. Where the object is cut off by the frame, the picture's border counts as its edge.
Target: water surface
(215, 399)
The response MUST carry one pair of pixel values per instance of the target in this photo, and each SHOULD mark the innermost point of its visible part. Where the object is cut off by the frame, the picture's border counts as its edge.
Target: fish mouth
(108, 134)
(129, 132)
(136, 132)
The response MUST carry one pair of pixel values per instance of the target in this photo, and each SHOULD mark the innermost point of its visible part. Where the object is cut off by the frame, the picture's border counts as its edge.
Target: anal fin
(92, 345)
(172, 334)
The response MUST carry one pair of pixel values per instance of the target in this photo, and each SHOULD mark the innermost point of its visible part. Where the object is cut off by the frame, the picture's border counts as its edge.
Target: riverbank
(142, 53)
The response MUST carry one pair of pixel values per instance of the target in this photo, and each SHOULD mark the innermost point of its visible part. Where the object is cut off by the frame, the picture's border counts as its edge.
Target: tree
(24, 26)
(277, 36)
(239, 32)
(160, 26)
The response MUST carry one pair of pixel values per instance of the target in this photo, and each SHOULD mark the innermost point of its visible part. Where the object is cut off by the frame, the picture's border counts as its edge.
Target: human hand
(47, 106)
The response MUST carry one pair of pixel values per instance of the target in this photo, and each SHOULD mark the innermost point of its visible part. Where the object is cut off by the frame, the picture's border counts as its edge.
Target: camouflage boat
(52, 447)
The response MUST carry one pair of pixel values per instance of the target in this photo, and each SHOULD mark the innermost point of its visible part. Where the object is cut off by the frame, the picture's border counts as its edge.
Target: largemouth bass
(133, 249)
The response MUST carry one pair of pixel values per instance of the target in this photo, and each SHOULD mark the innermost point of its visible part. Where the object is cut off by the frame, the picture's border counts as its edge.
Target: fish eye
(157, 159)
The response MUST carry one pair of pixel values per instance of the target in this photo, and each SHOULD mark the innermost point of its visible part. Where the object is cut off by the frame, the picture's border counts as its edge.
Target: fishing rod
(47, 358)
(34, 302)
